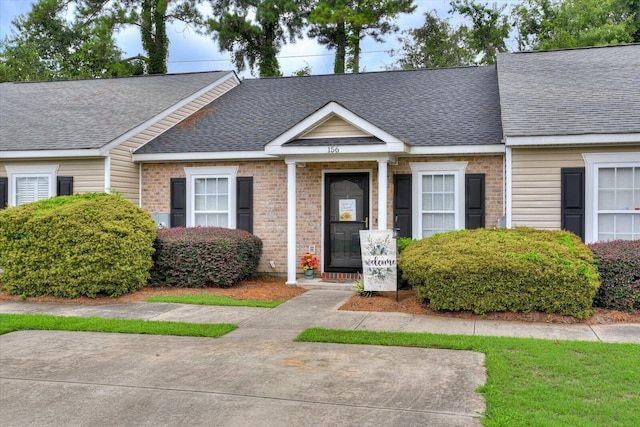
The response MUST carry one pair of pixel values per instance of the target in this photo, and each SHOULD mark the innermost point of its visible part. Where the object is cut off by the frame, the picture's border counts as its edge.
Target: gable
(334, 126)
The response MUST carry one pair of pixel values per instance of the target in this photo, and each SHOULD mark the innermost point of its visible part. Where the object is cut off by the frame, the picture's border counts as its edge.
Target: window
(31, 183)
(211, 200)
(439, 197)
(613, 197)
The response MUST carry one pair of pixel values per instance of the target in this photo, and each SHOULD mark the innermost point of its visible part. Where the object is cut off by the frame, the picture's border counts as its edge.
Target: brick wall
(270, 197)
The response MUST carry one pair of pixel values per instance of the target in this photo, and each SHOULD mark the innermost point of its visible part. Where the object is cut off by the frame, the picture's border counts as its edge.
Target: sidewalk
(319, 308)
(255, 375)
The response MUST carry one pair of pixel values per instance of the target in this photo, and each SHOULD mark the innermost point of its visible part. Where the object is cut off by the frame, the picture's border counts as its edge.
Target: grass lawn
(204, 299)
(17, 322)
(534, 382)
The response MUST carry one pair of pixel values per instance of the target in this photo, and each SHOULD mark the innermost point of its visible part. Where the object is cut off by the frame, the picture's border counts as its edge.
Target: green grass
(204, 299)
(17, 322)
(533, 382)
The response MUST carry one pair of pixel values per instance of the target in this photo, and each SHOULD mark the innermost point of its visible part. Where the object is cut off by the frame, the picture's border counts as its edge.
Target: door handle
(366, 223)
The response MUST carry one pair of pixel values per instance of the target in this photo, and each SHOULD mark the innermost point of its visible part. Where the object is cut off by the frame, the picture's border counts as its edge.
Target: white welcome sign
(379, 260)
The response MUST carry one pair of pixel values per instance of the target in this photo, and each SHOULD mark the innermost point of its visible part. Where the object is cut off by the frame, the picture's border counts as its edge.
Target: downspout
(107, 174)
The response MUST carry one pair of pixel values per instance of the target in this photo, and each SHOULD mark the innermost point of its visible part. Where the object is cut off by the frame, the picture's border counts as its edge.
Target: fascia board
(613, 138)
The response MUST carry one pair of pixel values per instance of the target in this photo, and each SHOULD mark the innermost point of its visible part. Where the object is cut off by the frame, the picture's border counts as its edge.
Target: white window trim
(229, 172)
(14, 172)
(417, 171)
(593, 162)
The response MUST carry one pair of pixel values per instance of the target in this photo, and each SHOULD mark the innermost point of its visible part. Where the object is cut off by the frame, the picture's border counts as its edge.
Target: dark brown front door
(346, 213)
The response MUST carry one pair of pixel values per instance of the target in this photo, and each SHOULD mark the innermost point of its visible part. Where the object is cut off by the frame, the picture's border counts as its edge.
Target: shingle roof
(452, 106)
(85, 114)
(571, 92)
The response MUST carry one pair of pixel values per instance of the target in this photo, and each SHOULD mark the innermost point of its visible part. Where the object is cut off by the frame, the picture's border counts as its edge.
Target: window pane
(223, 185)
(438, 183)
(200, 203)
(624, 178)
(200, 220)
(606, 223)
(450, 182)
(623, 224)
(449, 202)
(427, 202)
(223, 203)
(607, 178)
(624, 199)
(606, 199)
(200, 186)
(438, 202)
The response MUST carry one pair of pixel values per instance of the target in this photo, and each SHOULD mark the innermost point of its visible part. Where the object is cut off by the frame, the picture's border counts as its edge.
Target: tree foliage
(549, 24)
(45, 45)
(436, 44)
(490, 28)
(342, 24)
(255, 31)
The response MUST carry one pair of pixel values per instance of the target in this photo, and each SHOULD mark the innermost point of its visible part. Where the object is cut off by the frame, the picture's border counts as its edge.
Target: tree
(486, 38)
(254, 31)
(435, 44)
(342, 24)
(549, 24)
(151, 17)
(47, 46)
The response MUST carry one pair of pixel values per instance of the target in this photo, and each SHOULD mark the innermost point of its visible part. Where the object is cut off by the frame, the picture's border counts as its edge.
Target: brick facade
(270, 196)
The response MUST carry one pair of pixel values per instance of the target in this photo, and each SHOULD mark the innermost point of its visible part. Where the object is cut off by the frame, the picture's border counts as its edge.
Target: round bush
(517, 270)
(204, 257)
(75, 246)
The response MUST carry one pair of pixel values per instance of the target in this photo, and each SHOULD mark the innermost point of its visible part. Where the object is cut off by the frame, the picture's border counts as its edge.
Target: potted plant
(309, 263)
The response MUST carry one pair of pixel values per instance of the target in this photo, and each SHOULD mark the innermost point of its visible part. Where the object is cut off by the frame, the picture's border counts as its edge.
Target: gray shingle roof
(452, 106)
(85, 114)
(571, 92)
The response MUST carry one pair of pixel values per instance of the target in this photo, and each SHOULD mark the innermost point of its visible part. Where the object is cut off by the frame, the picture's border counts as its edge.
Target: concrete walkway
(256, 375)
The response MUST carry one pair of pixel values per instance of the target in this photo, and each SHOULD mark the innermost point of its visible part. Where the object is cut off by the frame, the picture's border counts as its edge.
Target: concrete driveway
(255, 375)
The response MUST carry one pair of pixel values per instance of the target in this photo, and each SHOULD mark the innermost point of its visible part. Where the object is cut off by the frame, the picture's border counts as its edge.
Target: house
(65, 137)
(306, 162)
(545, 139)
(571, 121)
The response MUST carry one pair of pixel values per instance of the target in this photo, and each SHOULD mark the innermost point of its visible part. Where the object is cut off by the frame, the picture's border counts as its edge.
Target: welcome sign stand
(379, 260)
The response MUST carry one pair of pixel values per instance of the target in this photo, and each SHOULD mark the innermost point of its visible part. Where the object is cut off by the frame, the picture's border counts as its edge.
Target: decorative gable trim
(277, 146)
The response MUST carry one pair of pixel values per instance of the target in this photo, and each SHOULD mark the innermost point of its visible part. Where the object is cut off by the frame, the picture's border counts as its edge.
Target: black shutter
(244, 205)
(65, 186)
(572, 201)
(402, 204)
(4, 192)
(474, 200)
(178, 215)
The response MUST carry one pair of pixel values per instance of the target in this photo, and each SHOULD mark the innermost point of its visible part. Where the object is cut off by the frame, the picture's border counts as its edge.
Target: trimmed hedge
(618, 263)
(73, 246)
(517, 270)
(204, 257)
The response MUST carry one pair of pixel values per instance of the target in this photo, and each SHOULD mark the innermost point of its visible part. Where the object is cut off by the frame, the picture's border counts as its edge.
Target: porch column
(292, 257)
(382, 194)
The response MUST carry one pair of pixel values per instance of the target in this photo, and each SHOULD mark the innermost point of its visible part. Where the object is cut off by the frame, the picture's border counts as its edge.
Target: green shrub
(618, 263)
(72, 246)
(204, 257)
(517, 270)
(403, 242)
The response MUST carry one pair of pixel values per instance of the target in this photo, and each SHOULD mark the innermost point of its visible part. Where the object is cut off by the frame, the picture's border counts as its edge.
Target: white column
(382, 194)
(292, 257)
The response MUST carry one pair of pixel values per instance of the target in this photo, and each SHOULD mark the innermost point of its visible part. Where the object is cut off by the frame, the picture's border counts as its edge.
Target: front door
(346, 213)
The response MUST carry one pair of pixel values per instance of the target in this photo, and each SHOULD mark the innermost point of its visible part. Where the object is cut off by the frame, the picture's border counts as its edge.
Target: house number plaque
(333, 150)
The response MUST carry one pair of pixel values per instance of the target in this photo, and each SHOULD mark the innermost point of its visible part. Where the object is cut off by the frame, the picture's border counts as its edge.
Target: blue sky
(190, 52)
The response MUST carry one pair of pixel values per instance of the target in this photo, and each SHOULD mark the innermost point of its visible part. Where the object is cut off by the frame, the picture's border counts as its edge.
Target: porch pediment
(333, 129)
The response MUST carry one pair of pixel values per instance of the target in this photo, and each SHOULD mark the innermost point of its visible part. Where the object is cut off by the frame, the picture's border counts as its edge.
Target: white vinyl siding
(334, 127)
(438, 197)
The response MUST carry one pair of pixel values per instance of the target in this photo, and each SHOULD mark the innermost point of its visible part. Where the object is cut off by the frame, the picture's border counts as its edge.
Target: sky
(191, 52)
